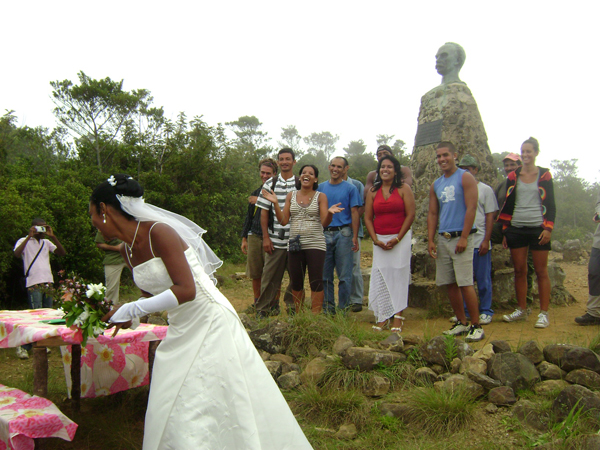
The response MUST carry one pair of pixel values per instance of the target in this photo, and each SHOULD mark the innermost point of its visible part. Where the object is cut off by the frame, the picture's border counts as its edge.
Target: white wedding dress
(210, 388)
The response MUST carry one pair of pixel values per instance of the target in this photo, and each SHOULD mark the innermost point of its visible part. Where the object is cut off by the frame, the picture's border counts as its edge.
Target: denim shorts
(519, 237)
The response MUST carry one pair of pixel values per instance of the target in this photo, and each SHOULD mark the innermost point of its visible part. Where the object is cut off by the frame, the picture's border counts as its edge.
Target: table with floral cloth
(24, 418)
(108, 365)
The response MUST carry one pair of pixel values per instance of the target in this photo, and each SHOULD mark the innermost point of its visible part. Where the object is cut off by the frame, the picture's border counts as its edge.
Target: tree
(292, 139)
(384, 139)
(355, 148)
(248, 132)
(95, 110)
(322, 142)
(575, 200)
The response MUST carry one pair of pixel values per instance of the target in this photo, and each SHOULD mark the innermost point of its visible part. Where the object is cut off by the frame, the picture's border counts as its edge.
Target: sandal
(378, 328)
(397, 329)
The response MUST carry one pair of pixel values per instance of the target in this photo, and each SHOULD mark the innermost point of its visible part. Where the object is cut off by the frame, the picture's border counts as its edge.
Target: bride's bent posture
(210, 388)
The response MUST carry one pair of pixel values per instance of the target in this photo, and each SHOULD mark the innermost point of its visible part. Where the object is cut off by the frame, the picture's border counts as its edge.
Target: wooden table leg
(40, 372)
(75, 377)
(152, 346)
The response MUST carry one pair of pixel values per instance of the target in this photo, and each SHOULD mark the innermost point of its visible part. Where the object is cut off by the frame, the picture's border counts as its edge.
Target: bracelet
(397, 239)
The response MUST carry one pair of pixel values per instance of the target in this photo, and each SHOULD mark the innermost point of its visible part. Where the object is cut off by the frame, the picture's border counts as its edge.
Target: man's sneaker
(22, 353)
(517, 315)
(587, 319)
(453, 319)
(542, 321)
(457, 329)
(475, 334)
(485, 319)
(356, 307)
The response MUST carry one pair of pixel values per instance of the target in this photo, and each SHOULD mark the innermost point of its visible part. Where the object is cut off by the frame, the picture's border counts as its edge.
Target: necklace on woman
(307, 201)
(130, 248)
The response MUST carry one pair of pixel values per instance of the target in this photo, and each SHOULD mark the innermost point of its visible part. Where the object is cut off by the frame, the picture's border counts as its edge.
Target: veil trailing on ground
(187, 230)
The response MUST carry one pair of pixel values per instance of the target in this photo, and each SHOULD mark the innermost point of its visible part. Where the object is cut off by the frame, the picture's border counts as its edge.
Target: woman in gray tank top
(528, 217)
(307, 212)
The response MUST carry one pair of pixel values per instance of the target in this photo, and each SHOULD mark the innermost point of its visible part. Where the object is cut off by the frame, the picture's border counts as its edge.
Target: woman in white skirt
(389, 214)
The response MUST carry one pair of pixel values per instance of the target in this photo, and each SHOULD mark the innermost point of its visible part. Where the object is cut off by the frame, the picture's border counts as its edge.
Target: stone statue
(448, 61)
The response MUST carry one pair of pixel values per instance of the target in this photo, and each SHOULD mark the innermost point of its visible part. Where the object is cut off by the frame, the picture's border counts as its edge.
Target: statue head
(448, 62)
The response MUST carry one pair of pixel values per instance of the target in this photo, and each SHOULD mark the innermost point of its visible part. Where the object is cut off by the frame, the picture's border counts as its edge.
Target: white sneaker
(484, 319)
(22, 353)
(515, 316)
(542, 321)
(475, 334)
(453, 319)
(457, 329)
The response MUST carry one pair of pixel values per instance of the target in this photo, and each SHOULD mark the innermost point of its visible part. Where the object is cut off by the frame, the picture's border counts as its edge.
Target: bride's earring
(104, 215)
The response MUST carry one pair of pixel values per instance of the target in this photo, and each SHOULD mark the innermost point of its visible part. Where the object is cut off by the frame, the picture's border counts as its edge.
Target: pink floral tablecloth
(108, 365)
(24, 417)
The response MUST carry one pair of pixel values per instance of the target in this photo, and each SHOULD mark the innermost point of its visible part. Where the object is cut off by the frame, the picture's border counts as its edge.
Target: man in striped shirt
(275, 238)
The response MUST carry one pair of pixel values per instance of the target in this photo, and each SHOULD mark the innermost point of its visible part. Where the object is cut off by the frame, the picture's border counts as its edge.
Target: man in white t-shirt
(487, 207)
(40, 242)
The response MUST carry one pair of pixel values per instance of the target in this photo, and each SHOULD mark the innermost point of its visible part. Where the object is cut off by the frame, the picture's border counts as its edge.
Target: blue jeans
(37, 299)
(482, 270)
(339, 256)
(358, 288)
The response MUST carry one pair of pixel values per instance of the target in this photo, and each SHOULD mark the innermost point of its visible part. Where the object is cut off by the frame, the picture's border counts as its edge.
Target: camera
(40, 229)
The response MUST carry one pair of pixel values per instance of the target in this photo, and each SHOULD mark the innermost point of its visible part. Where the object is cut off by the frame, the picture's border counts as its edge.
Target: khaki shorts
(454, 267)
(256, 257)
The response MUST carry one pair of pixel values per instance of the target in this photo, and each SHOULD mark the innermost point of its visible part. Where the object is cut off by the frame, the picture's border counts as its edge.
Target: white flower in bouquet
(94, 289)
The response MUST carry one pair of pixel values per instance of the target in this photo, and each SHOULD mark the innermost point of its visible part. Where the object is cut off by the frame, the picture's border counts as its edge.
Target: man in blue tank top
(452, 207)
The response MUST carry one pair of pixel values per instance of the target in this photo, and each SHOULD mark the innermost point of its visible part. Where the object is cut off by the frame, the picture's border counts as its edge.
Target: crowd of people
(297, 223)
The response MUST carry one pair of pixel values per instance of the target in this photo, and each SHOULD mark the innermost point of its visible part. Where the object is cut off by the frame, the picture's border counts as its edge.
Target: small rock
(502, 395)
(400, 410)
(491, 408)
(412, 339)
(286, 368)
(485, 353)
(425, 375)
(483, 380)
(283, 358)
(472, 364)
(313, 370)
(549, 386)
(393, 343)
(274, 368)
(289, 380)
(264, 355)
(549, 371)
(377, 386)
(501, 347)
(342, 344)
(455, 365)
(461, 382)
(532, 351)
(438, 369)
(527, 412)
(347, 432)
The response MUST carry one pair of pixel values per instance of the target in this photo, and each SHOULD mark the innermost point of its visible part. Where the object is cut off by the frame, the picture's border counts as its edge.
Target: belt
(454, 234)
(336, 228)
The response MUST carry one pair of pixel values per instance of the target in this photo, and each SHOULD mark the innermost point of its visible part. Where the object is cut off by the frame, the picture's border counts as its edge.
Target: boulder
(513, 370)
(501, 347)
(486, 382)
(584, 377)
(532, 351)
(455, 382)
(365, 359)
(576, 395)
(485, 353)
(554, 353)
(549, 371)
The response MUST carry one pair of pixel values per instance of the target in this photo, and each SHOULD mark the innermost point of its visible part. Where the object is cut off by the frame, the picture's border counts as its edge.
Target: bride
(210, 388)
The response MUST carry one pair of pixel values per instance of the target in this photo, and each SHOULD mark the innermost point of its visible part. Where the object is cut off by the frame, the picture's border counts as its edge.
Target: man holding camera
(35, 251)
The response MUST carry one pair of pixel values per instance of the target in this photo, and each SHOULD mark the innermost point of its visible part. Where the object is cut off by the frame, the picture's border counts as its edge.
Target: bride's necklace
(130, 247)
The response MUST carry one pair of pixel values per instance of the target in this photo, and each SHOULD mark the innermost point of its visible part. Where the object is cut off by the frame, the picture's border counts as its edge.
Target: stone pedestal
(462, 125)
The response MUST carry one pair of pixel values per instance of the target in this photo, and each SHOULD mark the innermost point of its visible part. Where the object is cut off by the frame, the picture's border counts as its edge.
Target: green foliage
(450, 348)
(322, 143)
(441, 412)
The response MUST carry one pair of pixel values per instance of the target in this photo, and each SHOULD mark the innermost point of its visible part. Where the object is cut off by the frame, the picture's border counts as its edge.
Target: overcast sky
(356, 69)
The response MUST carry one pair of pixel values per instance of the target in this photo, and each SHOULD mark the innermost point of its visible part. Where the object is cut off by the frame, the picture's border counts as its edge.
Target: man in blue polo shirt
(341, 235)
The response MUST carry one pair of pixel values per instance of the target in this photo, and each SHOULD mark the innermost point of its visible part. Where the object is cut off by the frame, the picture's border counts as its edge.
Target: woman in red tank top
(389, 214)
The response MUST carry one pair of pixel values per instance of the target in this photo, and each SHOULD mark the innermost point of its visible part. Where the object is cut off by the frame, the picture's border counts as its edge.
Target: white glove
(144, 306)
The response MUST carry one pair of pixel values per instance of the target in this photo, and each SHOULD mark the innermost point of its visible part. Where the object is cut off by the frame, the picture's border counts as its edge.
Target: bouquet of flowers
(84, 305)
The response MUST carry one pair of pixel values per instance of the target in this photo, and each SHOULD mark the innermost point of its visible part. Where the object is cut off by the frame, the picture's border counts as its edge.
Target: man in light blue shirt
(341, 235)
(358, 288)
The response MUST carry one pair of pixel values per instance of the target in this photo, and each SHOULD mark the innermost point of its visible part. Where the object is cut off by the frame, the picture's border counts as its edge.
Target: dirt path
(562, 329)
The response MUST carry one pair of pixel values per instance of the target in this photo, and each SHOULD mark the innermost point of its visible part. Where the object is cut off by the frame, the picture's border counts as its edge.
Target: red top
(388, 214)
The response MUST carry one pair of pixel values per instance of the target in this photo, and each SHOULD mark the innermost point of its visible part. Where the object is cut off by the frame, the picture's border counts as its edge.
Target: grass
(441, 412)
